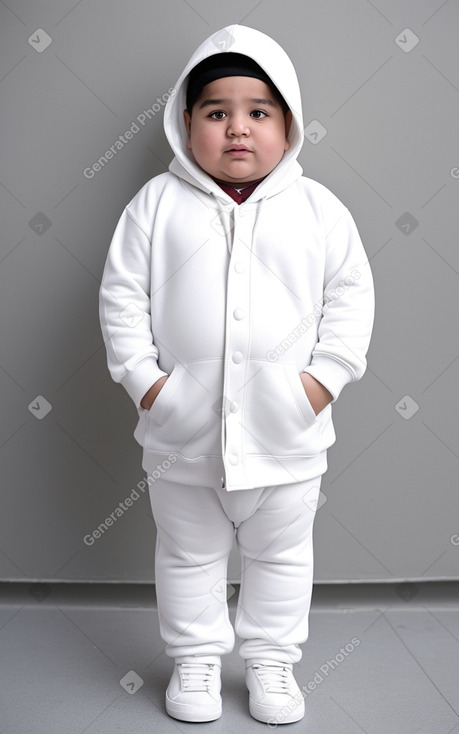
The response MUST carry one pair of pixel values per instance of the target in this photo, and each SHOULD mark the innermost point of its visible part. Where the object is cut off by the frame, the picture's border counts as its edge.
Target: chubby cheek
(194, 145)
(276, 148)
(204, 145)
(194, 141)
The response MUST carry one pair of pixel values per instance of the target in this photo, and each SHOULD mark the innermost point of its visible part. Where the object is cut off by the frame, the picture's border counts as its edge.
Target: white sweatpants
(196, 527)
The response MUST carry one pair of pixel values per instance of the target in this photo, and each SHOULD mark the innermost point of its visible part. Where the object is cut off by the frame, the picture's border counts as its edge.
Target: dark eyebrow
(263, 101)
(215, 102)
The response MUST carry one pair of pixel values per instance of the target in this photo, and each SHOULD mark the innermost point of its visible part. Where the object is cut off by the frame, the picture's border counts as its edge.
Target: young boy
(236, 303)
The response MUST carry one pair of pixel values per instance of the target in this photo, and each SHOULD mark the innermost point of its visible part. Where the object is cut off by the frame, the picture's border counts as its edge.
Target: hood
(275, 62)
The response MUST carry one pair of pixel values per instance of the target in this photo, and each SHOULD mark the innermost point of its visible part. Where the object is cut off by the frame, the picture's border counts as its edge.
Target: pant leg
(277, 573)
(194, 540)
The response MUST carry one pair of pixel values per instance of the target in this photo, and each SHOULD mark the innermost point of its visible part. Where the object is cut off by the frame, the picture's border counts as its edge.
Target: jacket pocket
(279, 418)
(299, 395)
(158, 410)
(184, 416)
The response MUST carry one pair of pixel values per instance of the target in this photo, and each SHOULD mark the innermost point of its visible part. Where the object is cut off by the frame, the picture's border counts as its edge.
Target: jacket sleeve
(347, 309)
(124, 309)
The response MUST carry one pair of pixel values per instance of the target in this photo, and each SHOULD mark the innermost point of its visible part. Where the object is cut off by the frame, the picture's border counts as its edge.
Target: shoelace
(274, 678)
(196, 677)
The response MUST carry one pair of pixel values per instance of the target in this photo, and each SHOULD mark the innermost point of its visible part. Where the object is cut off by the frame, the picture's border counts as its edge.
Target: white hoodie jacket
(233, 302)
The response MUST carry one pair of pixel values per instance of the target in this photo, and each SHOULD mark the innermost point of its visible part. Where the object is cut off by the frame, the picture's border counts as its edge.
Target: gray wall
(390, 109)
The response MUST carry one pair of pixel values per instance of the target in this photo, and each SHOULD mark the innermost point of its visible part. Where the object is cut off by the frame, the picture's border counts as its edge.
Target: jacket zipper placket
(236, 349)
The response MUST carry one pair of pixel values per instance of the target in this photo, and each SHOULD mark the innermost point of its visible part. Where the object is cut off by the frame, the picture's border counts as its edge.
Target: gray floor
(90, 659)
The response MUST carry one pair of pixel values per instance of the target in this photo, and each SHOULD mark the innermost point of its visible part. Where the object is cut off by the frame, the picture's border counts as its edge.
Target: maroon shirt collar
(239, 198)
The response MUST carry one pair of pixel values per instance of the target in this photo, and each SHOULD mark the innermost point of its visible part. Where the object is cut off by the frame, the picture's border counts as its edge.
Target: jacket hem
(209, 471)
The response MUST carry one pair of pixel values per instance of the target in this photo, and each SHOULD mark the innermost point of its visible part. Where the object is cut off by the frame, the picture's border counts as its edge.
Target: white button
(238, 357)
(233, 459)
(241, 212)
(238, 314)
(234, 407)
(239, 267)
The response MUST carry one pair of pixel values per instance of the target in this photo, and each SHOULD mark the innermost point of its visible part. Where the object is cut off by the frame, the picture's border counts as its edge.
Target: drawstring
(260, 203)
(226, 213)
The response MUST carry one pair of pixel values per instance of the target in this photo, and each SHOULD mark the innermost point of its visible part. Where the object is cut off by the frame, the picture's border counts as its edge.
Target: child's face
(237, 131)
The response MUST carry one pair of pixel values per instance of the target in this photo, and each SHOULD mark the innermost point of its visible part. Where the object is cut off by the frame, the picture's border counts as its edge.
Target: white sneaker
(193, 693)
(274, 695)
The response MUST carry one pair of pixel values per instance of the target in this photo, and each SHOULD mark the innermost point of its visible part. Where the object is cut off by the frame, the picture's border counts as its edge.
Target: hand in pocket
(317, 394)
(150, 396)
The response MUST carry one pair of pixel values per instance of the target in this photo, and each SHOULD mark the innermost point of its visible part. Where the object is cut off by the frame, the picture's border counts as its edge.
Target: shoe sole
(269, 714)
(194, 714)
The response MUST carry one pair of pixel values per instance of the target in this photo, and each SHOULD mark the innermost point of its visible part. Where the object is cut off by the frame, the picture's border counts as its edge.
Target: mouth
(237, 151)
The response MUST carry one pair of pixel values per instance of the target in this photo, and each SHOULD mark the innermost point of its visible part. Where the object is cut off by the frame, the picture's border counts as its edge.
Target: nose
(238, 126)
